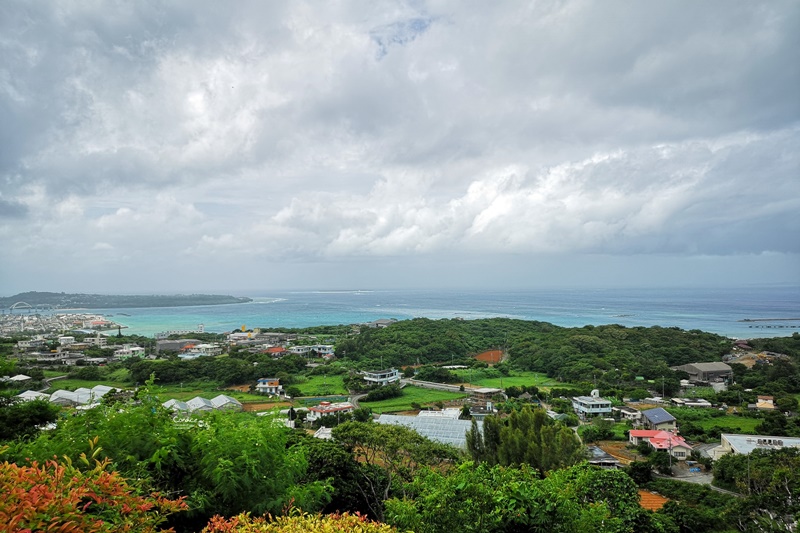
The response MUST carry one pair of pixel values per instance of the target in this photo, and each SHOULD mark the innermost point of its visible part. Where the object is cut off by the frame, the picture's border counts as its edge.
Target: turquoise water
(715, 310)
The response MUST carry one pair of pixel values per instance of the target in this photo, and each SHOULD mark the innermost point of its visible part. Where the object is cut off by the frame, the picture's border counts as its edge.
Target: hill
(61, 300)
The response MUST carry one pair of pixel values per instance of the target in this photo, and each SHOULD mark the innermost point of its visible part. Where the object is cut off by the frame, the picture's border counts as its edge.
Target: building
(658, 419)
(626, 413)
(300, 350)
(269, 386)
(691, 402)
(591, 406)
(706, 371)
(129, 350)
(745, 444)
(80, 396)
(764, 403)
(382, 377)
(381, 323)
(667, 441)
(439, 429)
(226, 403)
(201, 350)
(328, 408)
(485, 394)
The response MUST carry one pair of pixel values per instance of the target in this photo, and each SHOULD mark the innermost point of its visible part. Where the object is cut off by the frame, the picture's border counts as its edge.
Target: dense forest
(571, 354)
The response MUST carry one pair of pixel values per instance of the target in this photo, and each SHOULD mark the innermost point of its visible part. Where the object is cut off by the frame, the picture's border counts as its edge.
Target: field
(517, 378)
(744, 424)
(322, 386)
(72, 384)
(411, 395)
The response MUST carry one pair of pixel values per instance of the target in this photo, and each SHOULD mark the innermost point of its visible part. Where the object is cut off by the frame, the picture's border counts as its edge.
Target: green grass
(54, 373)
(517, 378)
(619, 430)
(72, 384)
(411, 395)
(322, 386)
(745, 424)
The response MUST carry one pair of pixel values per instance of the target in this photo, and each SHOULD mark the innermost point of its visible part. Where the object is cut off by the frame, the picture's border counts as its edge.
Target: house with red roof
(328, 408)
(667, 441)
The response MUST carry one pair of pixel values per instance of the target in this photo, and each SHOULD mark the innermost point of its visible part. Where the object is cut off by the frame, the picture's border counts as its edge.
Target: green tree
(389, 456)
(20, 419)
(527, 436)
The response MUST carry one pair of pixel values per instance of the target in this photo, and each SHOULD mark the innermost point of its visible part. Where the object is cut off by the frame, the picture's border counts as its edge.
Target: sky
(199, 146)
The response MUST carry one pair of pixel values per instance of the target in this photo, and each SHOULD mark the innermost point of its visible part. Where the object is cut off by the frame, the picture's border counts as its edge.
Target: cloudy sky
(198, 146)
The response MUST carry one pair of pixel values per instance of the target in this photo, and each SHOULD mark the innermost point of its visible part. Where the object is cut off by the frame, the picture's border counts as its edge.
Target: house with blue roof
(658, 419)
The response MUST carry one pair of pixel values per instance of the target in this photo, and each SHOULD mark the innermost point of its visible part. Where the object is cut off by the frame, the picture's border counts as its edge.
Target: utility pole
(662, 387)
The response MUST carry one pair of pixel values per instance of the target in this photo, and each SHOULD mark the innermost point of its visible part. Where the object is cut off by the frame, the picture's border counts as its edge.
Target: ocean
(772, 311)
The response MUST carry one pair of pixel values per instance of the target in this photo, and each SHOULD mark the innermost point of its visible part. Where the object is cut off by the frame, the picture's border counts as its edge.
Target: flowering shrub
(60, 497)
(303, 523)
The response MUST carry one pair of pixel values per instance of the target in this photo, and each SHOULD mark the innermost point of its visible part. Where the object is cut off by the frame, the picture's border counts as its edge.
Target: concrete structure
(382, 377)
(706, 371)
(328, 408)
(269, 386)
(451, 413)
(129, 350)
(485, 394)
(591, 406)
(659, 419)
(745, 444)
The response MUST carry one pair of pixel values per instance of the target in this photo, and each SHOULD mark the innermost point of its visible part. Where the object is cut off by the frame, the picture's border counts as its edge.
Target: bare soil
(491, 356)
(266, 406)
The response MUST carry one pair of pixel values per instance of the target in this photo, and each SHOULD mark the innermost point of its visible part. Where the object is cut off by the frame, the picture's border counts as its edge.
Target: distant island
(61, 300)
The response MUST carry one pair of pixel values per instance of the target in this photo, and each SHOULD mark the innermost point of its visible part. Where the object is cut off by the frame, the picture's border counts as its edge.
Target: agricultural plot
(72, 384)
(424, 397)
(517, 378)
(322, 386)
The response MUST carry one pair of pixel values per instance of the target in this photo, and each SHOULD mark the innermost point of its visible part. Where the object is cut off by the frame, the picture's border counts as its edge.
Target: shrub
(244, 523)
(60, 497)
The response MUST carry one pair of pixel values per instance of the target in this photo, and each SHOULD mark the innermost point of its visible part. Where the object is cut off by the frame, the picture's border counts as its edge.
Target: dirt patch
(651, 500)
(491, 357)
(619, 450)
(240, 388)
(265, 406)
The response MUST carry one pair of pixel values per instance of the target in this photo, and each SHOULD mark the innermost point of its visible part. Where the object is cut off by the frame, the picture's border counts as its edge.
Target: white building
(382, 377)
(269, 386)
(745, 444)
(129, 350)
(591, 406)
(328, 408)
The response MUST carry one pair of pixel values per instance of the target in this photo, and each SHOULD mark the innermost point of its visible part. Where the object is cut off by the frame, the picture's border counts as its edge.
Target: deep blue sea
(714, 310)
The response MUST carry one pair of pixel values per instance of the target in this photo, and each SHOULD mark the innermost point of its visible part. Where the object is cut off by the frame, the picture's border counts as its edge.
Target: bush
(383, 393)
(60, 497)
(244, 523)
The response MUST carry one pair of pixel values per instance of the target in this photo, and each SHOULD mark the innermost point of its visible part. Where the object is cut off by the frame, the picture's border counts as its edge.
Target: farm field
(322, 386)
(517, 378)
(72, 384)
(744, 424)
(411, 395)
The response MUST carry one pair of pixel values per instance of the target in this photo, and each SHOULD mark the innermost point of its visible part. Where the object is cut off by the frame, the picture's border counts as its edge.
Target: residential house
(659, 419)
(300, 350)
(691, 402)
(591, 406)
(129, 350)
(269, 386)
(626, 413)
(667, 441)
(765, 403)
(381, 377)
(328, 408)
(744, 444)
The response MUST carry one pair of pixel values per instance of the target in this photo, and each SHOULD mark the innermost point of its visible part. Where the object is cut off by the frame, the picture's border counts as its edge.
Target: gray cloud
(363, 133)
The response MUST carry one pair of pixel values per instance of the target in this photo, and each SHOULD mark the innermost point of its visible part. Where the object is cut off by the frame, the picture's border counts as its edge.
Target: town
(667, 428)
